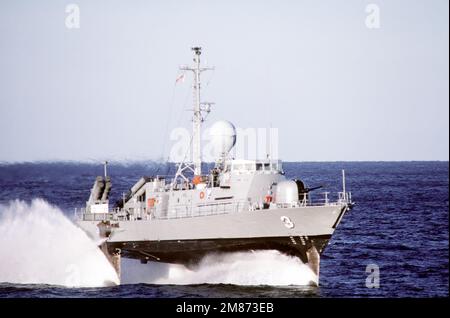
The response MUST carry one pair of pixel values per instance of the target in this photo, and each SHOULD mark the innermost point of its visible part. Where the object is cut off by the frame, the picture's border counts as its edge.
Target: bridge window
(237, 167)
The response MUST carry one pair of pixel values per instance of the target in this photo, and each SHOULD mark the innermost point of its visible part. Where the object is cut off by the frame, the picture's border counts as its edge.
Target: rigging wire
(168, 122)
(167, 127)
(183, 107)
(188, 93)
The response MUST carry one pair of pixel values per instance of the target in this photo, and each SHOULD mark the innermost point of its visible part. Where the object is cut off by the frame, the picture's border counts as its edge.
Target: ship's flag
(180, 78)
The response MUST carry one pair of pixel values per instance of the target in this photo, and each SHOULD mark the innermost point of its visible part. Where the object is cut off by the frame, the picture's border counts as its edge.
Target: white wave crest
(40, 245)
(245, 268)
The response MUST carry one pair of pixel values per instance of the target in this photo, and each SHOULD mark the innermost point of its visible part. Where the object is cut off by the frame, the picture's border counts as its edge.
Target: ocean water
(399, 225)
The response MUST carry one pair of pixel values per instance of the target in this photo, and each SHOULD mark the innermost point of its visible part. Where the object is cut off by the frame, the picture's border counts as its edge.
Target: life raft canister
(202, 195)
(268, 198)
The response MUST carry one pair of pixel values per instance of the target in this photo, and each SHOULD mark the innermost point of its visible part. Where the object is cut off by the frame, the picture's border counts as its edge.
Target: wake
(246, 268)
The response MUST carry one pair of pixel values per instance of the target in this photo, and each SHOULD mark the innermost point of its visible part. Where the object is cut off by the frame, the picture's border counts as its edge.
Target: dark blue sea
(399, 224)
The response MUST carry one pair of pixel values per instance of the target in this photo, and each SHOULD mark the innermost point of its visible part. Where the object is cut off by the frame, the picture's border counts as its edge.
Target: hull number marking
(287, 222)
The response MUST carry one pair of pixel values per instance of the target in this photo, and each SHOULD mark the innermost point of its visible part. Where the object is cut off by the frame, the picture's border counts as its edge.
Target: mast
(197, 118)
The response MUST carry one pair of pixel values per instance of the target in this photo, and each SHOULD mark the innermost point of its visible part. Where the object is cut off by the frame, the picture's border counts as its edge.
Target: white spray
(39, 245)
(249, 268)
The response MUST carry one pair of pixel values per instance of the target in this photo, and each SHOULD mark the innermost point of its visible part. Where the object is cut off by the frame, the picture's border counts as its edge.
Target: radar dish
(223, 137)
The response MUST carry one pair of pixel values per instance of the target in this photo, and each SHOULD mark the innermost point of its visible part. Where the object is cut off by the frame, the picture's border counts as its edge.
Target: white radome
(223, 137)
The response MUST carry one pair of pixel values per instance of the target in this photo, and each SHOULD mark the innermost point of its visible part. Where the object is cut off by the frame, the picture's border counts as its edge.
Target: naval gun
(304, 191)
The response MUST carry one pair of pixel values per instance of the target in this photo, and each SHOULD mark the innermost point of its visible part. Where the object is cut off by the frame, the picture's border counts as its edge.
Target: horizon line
(153, 161)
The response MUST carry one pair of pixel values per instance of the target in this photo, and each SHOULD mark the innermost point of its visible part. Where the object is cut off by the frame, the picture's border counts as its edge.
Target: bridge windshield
(248, 166)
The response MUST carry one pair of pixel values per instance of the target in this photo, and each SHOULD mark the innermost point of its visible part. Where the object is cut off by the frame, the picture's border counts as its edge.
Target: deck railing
(206, 209)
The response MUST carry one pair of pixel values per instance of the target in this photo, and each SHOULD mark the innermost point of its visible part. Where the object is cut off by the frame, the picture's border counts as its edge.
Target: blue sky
(335, 89)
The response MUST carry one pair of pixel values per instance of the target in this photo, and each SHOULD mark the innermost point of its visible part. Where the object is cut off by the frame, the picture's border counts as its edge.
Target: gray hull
(303, 232)
(191, 252)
